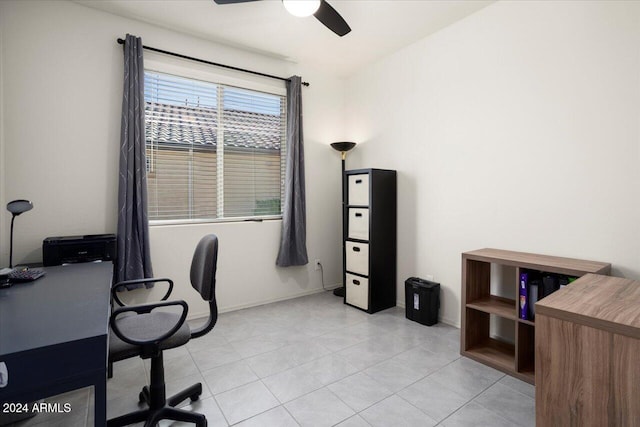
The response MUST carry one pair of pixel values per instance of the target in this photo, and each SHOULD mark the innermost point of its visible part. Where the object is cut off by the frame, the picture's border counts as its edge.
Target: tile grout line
(473, 398)
(255, 321)
(512, 389)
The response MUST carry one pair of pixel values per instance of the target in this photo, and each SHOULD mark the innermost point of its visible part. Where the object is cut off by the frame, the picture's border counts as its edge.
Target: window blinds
(213, 151)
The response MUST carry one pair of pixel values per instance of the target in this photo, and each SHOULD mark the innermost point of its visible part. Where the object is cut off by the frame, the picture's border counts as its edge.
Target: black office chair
(143, 331)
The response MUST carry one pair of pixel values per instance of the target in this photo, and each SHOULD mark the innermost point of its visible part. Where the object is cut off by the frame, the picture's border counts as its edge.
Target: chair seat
(146, 326)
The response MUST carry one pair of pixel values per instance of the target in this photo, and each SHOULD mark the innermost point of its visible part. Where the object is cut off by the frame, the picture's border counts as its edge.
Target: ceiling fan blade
(332, 19)
(232, 1)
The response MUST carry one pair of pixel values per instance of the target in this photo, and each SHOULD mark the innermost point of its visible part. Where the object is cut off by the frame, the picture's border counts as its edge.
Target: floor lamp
(343, 147)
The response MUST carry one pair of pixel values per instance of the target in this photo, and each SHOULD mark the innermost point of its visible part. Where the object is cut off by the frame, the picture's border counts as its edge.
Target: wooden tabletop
(602, 302)
(551, 264)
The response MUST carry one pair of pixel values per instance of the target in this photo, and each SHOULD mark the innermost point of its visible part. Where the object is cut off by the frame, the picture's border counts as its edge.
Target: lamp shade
(343, 146)
(301, 8)
(16, 207)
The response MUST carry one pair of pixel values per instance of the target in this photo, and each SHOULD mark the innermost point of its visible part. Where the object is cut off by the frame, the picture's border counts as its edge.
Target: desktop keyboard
(26, 275)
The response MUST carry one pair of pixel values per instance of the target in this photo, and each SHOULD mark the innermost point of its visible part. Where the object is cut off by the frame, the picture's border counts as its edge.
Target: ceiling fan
(318, 8)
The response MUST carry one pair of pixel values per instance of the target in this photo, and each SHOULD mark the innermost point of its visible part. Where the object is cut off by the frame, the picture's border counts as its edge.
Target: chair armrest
(121, 285)
(144, 309)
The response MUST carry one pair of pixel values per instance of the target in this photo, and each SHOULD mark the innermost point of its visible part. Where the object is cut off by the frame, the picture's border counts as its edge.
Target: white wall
(61, 91)
(515, 128)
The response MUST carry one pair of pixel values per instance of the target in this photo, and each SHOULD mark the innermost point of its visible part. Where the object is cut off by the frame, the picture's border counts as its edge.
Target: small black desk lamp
(16, 207)
(343, 147)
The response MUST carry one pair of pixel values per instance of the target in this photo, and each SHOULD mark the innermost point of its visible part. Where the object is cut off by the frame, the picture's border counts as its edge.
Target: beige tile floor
(313, 361)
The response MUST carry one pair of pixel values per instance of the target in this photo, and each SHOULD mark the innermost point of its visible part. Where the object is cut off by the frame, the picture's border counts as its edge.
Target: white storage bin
(357, 258)
(358, 190)
(358, 223)
(357, 291)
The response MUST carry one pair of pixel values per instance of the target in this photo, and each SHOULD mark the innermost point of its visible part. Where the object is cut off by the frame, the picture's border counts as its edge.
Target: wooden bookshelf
(478, 305)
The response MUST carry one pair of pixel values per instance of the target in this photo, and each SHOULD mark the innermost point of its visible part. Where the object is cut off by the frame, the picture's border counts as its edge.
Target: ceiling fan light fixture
(301, 8)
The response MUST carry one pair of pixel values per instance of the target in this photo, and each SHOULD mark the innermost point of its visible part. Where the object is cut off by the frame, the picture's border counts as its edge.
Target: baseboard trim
(200, 315)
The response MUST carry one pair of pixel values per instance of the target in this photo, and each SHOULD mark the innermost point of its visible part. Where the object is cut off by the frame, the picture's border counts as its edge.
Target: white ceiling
(379, 27)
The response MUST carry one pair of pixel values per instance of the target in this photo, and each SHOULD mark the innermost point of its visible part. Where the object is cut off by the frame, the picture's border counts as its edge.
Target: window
(213, 151)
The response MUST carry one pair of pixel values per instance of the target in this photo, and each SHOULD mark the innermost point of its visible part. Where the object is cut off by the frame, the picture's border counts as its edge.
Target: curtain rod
(230, 67)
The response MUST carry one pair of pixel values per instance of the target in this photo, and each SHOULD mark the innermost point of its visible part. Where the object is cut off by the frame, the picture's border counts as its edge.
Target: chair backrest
(203, 279)
(203, 267)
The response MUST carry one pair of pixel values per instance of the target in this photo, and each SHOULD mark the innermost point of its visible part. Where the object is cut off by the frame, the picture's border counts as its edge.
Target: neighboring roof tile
(167, 123)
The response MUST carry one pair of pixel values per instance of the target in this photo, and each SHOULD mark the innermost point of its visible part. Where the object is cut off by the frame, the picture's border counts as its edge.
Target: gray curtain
(134, 260)
(293, 243)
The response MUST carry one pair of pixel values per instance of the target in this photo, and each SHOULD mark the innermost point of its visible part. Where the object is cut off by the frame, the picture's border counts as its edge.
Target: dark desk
(53, 334)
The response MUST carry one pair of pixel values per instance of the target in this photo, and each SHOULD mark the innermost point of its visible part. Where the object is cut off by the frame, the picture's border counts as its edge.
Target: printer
(74, 249)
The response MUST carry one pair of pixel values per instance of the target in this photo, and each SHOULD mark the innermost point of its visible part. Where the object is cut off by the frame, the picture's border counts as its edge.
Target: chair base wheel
(152, 417)
(168, 411)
